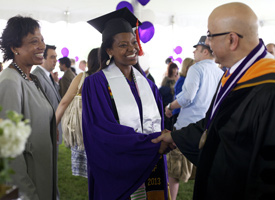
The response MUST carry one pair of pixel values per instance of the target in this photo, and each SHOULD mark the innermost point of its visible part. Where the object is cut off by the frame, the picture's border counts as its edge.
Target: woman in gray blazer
(35, 168)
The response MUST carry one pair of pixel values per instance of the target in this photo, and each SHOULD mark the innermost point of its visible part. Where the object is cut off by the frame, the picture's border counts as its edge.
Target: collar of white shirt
(47, 73)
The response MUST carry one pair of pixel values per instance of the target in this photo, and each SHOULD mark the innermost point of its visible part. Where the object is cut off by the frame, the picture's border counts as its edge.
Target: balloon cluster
(146, 29)
(178, 51)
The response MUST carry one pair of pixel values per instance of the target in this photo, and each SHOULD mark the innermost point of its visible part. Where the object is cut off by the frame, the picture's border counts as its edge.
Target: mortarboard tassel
(140, 53)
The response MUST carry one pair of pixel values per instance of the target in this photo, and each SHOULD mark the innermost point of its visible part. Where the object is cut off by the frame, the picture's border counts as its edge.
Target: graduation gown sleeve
(187, 140)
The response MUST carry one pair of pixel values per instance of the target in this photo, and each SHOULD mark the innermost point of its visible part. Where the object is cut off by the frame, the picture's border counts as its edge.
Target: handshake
(167, 143)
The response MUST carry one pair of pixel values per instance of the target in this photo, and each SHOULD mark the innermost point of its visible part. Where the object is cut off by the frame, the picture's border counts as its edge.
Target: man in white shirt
(81, 67)
(49, 86)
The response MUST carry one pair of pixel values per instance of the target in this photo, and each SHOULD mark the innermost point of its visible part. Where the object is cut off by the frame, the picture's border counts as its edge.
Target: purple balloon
(76, 58)
(124, 4)
(178, 50)
(143, 2)
(65, 52)
(179, 60)
(146, 31)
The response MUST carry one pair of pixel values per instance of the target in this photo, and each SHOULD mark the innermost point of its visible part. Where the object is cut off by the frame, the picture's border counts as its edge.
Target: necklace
(24, 75)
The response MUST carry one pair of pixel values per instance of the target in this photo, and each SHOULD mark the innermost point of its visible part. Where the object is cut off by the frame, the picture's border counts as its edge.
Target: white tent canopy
(176, 23)
(185, 12)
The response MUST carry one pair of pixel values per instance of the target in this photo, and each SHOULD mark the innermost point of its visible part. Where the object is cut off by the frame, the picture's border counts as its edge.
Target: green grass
(70, 187)
(76, 188)
(186, 191)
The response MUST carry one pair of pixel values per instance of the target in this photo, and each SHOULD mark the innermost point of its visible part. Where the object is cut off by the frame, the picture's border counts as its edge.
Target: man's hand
(167, 143)
(55, 76)
(166, 147)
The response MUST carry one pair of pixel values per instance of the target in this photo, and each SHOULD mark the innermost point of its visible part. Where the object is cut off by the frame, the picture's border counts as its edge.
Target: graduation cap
(119, 21)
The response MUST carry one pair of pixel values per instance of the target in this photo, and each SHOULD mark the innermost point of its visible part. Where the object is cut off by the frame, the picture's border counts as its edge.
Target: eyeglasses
(209, 35)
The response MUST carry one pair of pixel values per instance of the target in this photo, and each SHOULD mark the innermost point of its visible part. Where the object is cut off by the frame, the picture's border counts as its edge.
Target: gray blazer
(35, 169)
(52, 92)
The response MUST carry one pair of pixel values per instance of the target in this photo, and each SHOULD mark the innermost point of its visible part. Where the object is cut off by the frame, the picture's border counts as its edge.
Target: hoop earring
(108, 61)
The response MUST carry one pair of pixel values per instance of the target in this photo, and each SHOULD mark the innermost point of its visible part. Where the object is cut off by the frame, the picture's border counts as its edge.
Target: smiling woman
(35, 168)
(124, 51)
(122, 112)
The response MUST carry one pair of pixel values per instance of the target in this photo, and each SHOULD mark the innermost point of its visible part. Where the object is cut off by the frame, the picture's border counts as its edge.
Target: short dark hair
(17, 27)
(66, 61)
(46, 50)
(207, 48)
(168, 60)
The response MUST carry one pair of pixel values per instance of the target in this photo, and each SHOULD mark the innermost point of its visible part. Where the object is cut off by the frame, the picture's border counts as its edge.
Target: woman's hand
(167, 143)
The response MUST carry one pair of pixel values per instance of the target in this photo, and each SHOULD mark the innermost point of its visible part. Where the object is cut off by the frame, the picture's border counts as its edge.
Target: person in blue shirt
(194, 100)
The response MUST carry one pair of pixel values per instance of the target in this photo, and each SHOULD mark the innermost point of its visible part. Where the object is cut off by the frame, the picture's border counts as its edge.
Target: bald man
(233, 147)
(271, 48)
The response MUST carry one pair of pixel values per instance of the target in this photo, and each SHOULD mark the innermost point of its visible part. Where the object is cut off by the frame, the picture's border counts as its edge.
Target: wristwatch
(169, 106)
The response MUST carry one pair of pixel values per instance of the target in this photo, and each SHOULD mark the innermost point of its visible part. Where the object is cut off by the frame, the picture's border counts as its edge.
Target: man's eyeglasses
(209, 35)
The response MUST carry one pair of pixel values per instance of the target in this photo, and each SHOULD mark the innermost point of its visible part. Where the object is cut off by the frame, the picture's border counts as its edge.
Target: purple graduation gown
(119, 159)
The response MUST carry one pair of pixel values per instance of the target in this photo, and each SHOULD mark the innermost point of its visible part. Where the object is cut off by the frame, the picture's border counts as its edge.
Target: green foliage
(15, 117)
(5, 171)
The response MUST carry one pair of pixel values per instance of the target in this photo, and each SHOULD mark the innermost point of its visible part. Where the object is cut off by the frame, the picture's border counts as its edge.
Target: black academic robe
(237, 161)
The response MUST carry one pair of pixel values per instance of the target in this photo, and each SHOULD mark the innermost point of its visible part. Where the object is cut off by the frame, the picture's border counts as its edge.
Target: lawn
(70, 187)
(76, 188)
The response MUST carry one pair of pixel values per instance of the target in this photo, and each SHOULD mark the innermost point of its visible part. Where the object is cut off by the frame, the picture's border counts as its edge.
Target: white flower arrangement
(13, 136)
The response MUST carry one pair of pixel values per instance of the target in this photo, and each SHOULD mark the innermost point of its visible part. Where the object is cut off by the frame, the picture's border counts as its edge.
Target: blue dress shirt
(197, 92)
